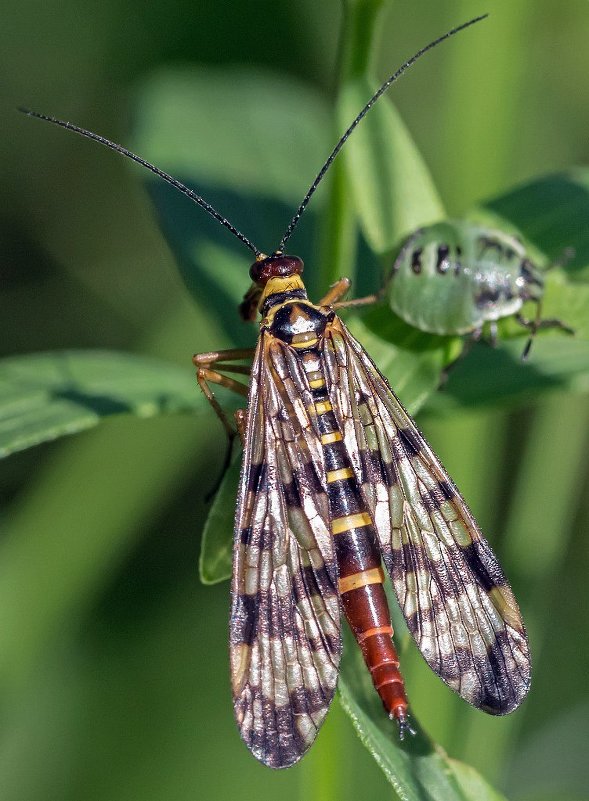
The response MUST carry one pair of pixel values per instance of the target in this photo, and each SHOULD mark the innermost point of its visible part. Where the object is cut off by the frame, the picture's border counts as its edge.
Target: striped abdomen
(358, 556)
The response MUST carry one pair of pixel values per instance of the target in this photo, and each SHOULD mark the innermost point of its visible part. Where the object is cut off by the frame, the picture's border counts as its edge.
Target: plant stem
(358, 41)
(338, 236)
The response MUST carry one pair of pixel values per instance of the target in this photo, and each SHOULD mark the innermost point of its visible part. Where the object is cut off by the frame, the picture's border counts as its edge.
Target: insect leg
(347, 304)
(206, 376)
(536, 324)
(493, 333)
(216, 356)
(241, 423)
(336, 292)
(467, 345)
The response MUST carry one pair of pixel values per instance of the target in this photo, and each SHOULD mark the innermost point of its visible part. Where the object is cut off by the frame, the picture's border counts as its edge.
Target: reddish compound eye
(275, 266)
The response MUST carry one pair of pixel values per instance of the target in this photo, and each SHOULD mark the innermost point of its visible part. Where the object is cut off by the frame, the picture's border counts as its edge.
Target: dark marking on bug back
(293, 318)
(280, 297)
(442, 263)
(490, 243)
(527, 270)
(486, 297)
(458, 262)
(416, 260)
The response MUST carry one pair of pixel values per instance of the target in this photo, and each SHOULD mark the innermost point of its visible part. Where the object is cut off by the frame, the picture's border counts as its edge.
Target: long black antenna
(172, 181)
(293, 223)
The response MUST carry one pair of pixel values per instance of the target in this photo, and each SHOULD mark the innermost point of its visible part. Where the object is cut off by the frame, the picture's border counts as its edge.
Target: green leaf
(255, 173)
(472, 783)
(186, 122)
(392, 188)
(498, 375)
(47, 395)
(418, 769)
(216, 550)
(568, 300)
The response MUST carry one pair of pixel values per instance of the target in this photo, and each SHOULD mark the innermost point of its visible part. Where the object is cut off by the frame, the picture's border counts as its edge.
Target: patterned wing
(453, 594)
(284, 627)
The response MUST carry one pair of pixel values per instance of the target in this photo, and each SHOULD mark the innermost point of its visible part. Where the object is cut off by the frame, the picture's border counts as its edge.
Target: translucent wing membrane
(284, 626)
(453, 594)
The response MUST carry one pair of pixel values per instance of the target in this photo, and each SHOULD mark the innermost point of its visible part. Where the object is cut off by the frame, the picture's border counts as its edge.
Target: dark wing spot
(245, 617)
(483, 565)
(257, 479)
(447, 489)
(409, 441)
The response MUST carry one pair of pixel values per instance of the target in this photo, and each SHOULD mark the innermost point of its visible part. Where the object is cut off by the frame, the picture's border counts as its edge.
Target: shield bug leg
(467, 345)
(493, 336)
(536, 324)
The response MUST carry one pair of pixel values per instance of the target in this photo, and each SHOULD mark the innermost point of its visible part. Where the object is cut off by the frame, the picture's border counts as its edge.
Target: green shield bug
(453, 277)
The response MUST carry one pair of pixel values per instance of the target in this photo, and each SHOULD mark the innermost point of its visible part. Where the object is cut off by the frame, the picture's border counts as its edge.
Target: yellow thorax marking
(281, 284)
(306, 339)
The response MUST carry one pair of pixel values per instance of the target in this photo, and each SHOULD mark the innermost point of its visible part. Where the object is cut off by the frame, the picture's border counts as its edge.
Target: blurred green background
(113, 658)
